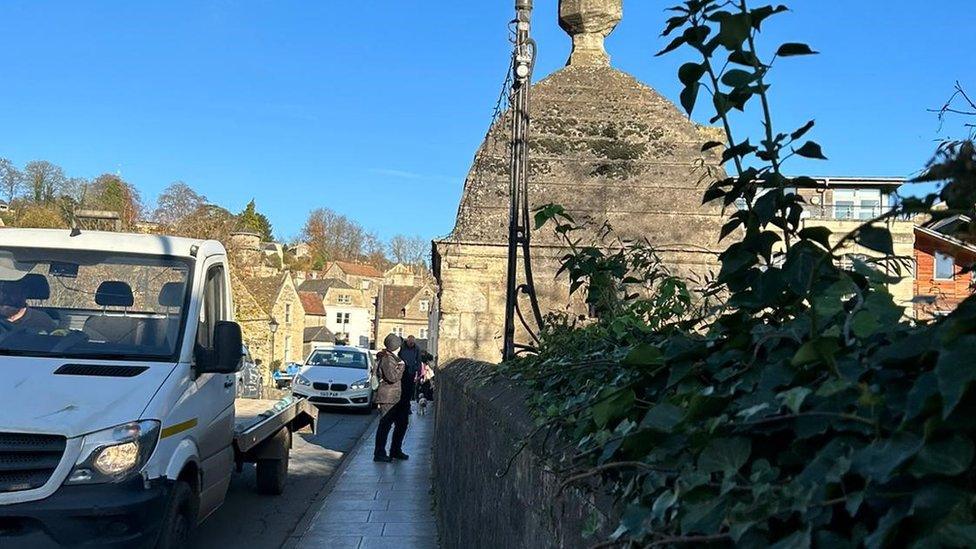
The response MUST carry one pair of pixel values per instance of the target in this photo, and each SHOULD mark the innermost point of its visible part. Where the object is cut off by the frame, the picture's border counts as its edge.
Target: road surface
(248, 519)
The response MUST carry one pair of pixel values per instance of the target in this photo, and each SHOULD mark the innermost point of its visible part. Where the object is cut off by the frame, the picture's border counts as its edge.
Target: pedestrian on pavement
(410, 354)
(390, 398)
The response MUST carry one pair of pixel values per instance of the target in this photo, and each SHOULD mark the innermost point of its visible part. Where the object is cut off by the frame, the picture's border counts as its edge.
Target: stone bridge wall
(479, 426)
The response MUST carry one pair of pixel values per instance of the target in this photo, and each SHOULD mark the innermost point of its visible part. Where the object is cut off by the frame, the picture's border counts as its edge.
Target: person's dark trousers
(402, 418)
(383, 432)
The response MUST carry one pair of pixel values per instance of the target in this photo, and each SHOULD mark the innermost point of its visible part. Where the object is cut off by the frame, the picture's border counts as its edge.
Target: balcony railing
(847, 212)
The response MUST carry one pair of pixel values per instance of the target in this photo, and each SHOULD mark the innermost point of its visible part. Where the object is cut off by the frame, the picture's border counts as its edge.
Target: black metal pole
(517, 231)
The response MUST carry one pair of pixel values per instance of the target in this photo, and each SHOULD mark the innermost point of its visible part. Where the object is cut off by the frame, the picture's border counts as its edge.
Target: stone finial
(589, 22)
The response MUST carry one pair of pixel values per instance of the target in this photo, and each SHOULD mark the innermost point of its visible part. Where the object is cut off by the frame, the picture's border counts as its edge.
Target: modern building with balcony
(842, 204)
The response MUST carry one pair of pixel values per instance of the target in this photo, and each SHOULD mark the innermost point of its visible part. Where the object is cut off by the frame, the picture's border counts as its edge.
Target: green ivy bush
(789, 403)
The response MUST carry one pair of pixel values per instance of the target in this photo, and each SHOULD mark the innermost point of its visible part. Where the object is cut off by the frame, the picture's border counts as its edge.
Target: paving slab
(379, 505)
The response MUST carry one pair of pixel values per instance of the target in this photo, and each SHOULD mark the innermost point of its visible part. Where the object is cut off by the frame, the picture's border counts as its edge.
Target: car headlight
(114, 454)
(361, 384)
(302, 380)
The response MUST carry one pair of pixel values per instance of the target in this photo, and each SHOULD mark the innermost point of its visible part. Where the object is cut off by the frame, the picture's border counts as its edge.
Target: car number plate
(330, 394)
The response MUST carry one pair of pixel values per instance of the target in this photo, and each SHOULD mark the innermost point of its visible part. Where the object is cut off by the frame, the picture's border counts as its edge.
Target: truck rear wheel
(272, 475)
(178, 519)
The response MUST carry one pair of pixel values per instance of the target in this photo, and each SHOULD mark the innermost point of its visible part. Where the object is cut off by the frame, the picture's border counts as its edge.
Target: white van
(118, 360)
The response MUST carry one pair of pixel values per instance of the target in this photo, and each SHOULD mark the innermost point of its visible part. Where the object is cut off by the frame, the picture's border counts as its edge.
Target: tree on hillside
(374, 251)
(254, 221)
(410, 250)
(45, 181)
(11, 179)
(207, 222)
(332, 236)
(176, 203)
(111, 192)
(40, 216)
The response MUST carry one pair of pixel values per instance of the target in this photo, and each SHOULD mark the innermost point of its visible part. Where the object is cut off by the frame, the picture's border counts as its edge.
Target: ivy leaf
(704, 517)
(735, 78)
(661, 505)
(811, 149)
(613, 407)
(675, 44)
(802, 130)
(821, 349)
(734, 29)
(955, 372)
(877, 239)
(879, 460)
(690, 73)
(663, 417)
(796, 540)
(711, 145)
(644, 355)
(820, 235)
(726, 455)
(793, 399)
(794, 48)
(689, 96)
(947, 457)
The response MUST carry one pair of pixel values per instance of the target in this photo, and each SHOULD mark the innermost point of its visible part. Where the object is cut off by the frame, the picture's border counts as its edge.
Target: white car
(336, 376)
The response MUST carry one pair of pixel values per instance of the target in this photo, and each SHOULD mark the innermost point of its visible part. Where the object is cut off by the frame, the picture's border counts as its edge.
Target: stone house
(279, 298)
(943, 260)
(255, 323)
(403, 275)
(316, 337)
(405, 311)
(315, 314)
(347, 310)
(361, 276)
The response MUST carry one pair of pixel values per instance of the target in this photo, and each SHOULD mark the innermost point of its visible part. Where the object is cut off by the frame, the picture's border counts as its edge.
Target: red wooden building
(943, 262)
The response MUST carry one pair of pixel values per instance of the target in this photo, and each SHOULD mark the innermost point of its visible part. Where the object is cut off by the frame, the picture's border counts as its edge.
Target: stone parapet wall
(479, 427)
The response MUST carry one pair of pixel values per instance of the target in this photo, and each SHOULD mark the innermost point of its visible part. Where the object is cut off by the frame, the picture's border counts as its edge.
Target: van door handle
(228, 384)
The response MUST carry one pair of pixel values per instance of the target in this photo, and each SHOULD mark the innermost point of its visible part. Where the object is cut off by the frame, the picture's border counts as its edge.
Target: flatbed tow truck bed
(262, 435)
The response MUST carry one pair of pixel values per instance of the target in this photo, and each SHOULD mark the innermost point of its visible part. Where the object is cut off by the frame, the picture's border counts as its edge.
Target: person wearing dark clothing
(390, 397)
(14, 309)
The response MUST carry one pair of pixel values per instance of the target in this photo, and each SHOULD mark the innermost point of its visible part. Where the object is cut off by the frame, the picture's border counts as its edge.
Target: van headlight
(361, 384)
(114, 454)
(302, 380)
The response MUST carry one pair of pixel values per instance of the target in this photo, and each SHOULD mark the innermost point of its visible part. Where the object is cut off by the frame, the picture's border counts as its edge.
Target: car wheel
(179, 518)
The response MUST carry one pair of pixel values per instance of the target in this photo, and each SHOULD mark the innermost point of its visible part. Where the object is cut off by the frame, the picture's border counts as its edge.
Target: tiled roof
(319, 334)
(323, 285)
(359, 269)
(395, 298)
(265, 289)
(312, 303)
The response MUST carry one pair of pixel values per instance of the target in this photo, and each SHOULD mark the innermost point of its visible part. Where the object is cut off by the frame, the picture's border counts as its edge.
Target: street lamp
(273, 326)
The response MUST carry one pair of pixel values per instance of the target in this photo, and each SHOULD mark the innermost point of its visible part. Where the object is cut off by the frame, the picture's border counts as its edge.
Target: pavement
(380, 505)
(249, 519)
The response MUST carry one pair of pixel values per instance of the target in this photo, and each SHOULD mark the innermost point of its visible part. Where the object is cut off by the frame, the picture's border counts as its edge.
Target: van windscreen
(87, 304)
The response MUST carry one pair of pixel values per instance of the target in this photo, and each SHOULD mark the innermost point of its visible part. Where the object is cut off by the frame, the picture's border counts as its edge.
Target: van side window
(212, 309)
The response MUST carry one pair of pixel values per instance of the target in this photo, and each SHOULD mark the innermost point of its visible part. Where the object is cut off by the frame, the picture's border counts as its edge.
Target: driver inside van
(14, 309)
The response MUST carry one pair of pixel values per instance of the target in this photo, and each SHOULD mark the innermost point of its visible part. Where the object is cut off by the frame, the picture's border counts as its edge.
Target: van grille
(27, 461)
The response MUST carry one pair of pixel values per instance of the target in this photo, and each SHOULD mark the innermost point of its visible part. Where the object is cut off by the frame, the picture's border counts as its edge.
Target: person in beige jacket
(388, 398)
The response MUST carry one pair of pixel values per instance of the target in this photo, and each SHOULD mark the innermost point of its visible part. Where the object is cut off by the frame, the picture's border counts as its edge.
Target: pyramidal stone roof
(603, 145)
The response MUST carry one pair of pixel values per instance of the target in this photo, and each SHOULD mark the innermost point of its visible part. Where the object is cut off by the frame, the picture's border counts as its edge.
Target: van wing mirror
(227, 349)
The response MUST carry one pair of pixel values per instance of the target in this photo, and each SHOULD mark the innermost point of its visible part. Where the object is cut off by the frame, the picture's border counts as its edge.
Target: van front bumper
(97, 515)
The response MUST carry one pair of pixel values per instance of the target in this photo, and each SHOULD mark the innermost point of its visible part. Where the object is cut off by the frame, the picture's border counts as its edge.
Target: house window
(423, 333)
(342, 318)
(945, 266)
(287, 349)
(364, 284)
(287, 313)
(424, 305)
(344, 299)
(398, 330)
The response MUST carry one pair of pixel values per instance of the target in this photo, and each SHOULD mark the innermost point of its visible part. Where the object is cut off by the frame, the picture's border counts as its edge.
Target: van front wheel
(179, 518)
(272, 475)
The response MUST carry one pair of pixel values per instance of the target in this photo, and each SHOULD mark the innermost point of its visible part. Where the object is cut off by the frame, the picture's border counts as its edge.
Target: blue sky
(375, 108)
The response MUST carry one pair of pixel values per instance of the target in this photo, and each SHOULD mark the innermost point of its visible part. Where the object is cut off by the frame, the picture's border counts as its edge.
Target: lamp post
(523, 62)
(273, 326)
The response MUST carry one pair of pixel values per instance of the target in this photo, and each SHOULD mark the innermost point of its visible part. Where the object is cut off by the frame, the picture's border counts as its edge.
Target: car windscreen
(91, 304)
(338, 358)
